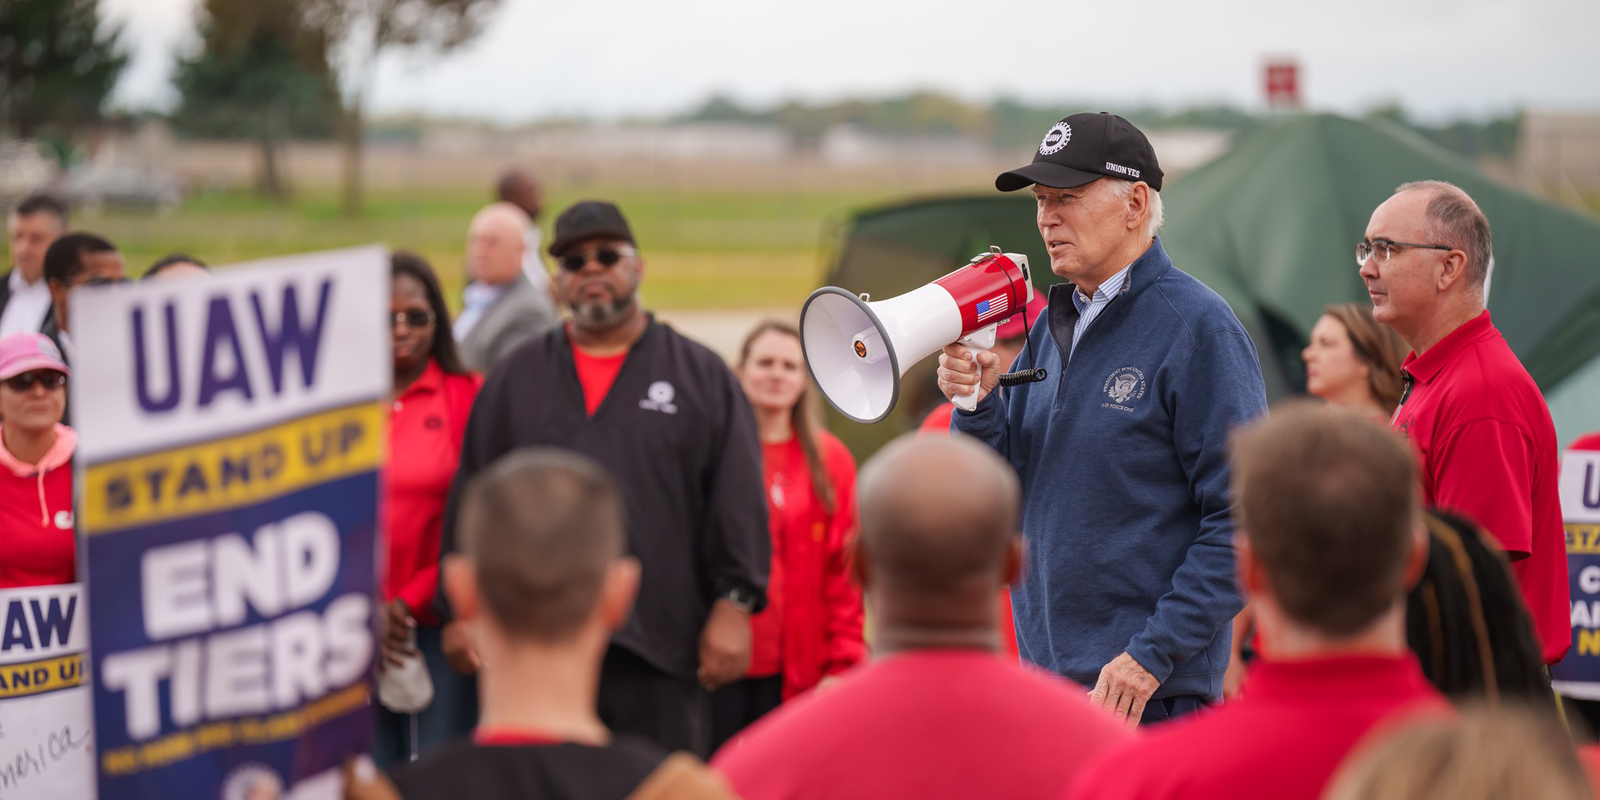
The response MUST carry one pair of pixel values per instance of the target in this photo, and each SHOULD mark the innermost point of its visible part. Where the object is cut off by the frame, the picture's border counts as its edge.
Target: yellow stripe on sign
(217, 476)
(38, 677)
(1583, 539)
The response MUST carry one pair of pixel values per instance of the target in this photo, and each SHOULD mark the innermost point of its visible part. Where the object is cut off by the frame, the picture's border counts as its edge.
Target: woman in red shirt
(811, 627)
(433, 396)
(36, 534)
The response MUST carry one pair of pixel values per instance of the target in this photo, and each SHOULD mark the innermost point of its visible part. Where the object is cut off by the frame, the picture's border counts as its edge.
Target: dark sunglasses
(607, 256)
(415, 319)
(49, 379)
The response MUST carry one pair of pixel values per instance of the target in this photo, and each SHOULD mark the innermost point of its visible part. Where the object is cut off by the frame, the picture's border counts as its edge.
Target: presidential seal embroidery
(1124, 386)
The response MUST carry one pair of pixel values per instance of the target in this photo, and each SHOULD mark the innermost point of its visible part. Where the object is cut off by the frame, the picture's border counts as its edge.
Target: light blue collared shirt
(1090, 307)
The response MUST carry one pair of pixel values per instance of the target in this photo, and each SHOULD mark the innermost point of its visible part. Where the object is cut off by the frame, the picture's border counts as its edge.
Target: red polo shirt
(926, 724)
(1282, 740)
(426, 423)
(1488, 450)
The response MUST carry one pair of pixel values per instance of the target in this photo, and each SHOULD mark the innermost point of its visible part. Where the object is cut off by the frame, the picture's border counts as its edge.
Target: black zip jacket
(678, 435)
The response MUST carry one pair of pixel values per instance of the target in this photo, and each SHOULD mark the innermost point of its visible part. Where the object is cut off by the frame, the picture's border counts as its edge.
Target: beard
(603, 314)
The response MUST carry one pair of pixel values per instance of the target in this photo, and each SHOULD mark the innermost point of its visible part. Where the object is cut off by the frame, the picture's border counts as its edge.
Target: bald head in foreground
(937, 713)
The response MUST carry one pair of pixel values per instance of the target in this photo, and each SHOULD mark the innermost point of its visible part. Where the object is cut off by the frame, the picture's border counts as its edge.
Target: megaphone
(858, 349)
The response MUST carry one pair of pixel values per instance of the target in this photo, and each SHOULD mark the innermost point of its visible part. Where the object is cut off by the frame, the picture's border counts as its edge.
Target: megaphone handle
(981, 339)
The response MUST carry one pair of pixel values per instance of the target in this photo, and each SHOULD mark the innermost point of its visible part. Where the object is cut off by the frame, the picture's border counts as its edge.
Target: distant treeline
(1008, 123)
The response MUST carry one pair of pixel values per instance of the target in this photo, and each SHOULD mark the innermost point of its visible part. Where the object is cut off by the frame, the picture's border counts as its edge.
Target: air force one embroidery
(1123, 387)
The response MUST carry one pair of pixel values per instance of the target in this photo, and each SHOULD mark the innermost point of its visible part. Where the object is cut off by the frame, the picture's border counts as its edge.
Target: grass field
(704, 249)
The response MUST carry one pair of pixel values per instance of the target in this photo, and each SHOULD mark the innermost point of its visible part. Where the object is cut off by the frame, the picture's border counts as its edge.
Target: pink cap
(26, 352)
(1012, 328)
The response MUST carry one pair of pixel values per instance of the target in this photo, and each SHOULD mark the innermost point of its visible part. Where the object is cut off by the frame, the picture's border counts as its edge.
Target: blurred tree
(261, 73)
(58, 64)
(366, 28)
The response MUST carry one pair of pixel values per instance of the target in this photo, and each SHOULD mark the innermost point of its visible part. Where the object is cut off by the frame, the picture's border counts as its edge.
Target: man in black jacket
(668, 419)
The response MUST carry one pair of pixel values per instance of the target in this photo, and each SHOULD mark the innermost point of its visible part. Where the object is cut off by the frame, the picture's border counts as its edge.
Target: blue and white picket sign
(231, 431)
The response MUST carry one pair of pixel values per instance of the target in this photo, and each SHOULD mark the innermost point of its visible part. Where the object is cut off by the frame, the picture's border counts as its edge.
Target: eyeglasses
(49, 379)
(1384, 249)
(607, 256)
(413, 318)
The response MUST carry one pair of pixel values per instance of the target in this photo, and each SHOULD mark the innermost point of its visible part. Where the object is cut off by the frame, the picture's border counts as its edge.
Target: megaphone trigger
(977, 341)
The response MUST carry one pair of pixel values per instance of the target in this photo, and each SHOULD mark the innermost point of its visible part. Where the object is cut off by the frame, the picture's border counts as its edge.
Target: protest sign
(46, 746)
(231, 430)
(1578, 675)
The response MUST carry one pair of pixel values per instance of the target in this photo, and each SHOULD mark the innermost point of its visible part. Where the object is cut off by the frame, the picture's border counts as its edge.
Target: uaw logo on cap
(1123, 387)
(1056, 138)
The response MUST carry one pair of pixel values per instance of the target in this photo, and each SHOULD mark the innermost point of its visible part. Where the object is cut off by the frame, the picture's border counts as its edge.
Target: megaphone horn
(857, 349)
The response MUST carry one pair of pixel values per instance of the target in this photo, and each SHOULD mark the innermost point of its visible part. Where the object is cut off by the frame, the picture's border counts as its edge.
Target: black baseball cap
(1087, 147)
(589, 219)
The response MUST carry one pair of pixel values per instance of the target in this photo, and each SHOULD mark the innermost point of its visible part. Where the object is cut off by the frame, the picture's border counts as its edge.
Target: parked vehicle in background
(94, 186)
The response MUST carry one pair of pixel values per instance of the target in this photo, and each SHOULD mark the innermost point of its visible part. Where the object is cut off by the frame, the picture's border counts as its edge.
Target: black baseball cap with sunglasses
(587, 220)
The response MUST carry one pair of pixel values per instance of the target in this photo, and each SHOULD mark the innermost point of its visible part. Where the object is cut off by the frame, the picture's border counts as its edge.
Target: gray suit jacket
(520, 313)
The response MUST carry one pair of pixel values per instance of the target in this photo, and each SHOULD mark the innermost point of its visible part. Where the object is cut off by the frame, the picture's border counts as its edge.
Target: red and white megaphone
(857, 350)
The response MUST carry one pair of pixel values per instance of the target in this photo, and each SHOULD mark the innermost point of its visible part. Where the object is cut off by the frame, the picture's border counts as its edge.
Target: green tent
(1272, 227)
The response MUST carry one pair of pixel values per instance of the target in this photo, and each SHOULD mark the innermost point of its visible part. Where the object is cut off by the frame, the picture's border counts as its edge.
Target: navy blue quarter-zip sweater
(1122, 453)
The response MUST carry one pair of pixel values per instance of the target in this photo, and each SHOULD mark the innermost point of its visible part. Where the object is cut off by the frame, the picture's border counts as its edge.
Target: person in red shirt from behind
(1474, 415)
(937, 713)
(36, 533)
(811, 627)
(1330, 535)
(433, 396)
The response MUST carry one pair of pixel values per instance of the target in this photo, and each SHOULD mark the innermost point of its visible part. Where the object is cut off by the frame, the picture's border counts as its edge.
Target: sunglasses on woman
(413, 318)
(49, 379)
(607, 256)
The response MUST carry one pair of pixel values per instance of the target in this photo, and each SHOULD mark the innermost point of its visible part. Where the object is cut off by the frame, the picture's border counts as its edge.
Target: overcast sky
(1440, 58)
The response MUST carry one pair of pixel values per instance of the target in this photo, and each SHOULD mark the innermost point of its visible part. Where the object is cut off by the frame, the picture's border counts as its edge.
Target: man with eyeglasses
(1476, 419)
(668, 419)
(501, 308)
(76, 259)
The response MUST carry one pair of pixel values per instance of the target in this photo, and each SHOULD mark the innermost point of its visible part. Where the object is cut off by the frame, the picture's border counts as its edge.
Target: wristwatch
(741, 599)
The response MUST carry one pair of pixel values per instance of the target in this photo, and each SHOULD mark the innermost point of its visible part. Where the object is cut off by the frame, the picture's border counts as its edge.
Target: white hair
(1156, 214)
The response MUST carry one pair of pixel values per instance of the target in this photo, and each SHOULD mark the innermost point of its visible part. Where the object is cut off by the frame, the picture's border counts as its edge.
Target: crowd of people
(616, 566)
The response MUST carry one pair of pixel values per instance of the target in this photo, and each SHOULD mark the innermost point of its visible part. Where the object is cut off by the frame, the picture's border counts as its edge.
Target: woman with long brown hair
(811, 627)
(1353, 360)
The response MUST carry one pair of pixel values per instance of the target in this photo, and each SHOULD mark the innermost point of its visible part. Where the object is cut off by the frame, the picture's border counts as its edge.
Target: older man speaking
(1129, 585)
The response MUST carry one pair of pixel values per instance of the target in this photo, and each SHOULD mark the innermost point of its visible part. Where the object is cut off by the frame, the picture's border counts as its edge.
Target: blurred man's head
(521, 188)
(77, 259)
(1330, 520)
(939, 532)
(495, 244)
(599, 265)
(177, 266)
(1425, 258)
(32, 225)
(543, 550)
